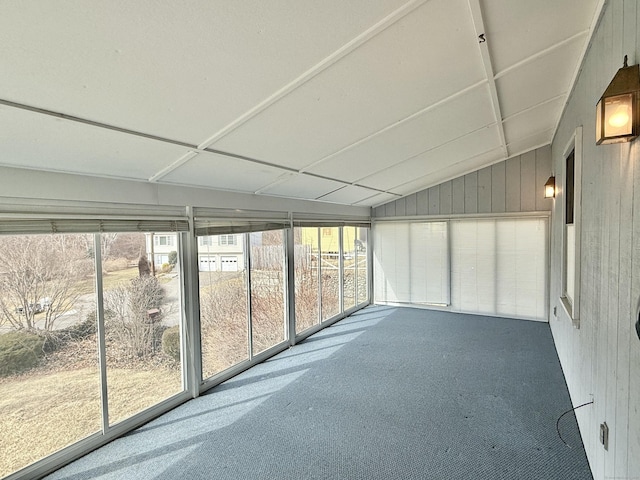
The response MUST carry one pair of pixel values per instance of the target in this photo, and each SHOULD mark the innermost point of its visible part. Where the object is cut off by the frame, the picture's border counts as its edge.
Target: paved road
(85, 304)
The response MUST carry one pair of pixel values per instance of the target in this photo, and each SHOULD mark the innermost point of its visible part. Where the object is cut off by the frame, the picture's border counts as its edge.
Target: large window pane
(349, 267)
(223, 302)
(306, 277)
(142, 321)
(330, 271)
(361, 265)
(267, 289)
(49, 378)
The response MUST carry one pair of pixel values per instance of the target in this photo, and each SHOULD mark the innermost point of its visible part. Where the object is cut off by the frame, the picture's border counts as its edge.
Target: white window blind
(499, 267)
(429, 266)
(90, 225)
(473, 266)
(494, 267)
(391, 262)
(411, 263)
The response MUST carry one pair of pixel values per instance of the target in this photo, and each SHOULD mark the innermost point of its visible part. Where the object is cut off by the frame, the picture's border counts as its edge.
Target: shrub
(57, 339)
(171, 342)
(166, 267)
(84, 329)
(19, 351)
(131, 324)
(173, 258)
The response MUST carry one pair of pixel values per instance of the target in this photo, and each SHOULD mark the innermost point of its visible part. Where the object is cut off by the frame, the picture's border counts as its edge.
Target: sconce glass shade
(550, 187)
(617, 111)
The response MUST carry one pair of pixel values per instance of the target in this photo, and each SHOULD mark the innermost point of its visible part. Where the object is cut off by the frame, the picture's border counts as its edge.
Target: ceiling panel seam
(431, 149)
(530, 149)
(172, 166)
(540, 54)
(342, 52)
(457, 175)
(535, 134)
(373, 196)
(395, 124)
(447, 179)
(572, 85)
(194, 150)
(540, 104)
(93, 123)
(181, 161)
(321, 177)
(276, 182)
(478, 23)
(329, 193)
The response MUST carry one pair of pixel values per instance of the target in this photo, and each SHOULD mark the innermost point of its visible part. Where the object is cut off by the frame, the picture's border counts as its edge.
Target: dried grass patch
(44, 412)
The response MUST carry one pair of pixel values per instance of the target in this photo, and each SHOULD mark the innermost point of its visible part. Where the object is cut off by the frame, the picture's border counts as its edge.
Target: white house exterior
(221, 253)
(216, 253)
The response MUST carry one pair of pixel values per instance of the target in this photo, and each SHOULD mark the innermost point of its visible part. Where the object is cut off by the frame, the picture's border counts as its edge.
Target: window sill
(568, 308)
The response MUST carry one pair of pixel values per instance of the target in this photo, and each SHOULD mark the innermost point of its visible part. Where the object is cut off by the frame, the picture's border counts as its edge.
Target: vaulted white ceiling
(355, 102)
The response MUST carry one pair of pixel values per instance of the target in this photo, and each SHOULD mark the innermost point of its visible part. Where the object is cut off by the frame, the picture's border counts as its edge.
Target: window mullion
(318, 264)
(247, 269)
(340, 269)
(102, 351)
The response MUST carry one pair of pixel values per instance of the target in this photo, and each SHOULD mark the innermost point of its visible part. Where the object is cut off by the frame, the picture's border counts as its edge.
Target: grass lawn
(109, 280)
(42, 413)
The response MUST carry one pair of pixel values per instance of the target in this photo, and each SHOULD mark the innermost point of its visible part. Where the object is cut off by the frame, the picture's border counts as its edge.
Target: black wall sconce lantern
(617, 111)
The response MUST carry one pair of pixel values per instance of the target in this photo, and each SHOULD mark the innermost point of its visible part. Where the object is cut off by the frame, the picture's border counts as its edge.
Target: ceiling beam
(483, 42)
(192, 152)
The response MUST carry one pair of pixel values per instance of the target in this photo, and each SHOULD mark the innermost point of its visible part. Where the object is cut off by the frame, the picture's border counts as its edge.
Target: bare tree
(106, 242)
(39, 279)
(128, 245)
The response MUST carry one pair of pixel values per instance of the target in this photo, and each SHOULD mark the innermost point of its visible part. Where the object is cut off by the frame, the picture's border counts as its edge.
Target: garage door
(207, 263)
(229, 264)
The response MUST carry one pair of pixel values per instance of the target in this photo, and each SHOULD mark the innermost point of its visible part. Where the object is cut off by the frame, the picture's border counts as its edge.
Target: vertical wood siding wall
(601, 359)
(514, 185)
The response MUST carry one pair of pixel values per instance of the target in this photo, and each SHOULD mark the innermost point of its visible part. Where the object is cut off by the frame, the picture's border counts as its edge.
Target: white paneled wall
(513, 185)
(493, 266)
(601, 359)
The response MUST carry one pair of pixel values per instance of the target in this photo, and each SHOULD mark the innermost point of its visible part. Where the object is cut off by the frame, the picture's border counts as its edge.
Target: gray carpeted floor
(388, 393)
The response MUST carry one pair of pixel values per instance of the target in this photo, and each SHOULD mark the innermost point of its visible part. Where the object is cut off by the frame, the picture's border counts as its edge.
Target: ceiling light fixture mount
(617, 115)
